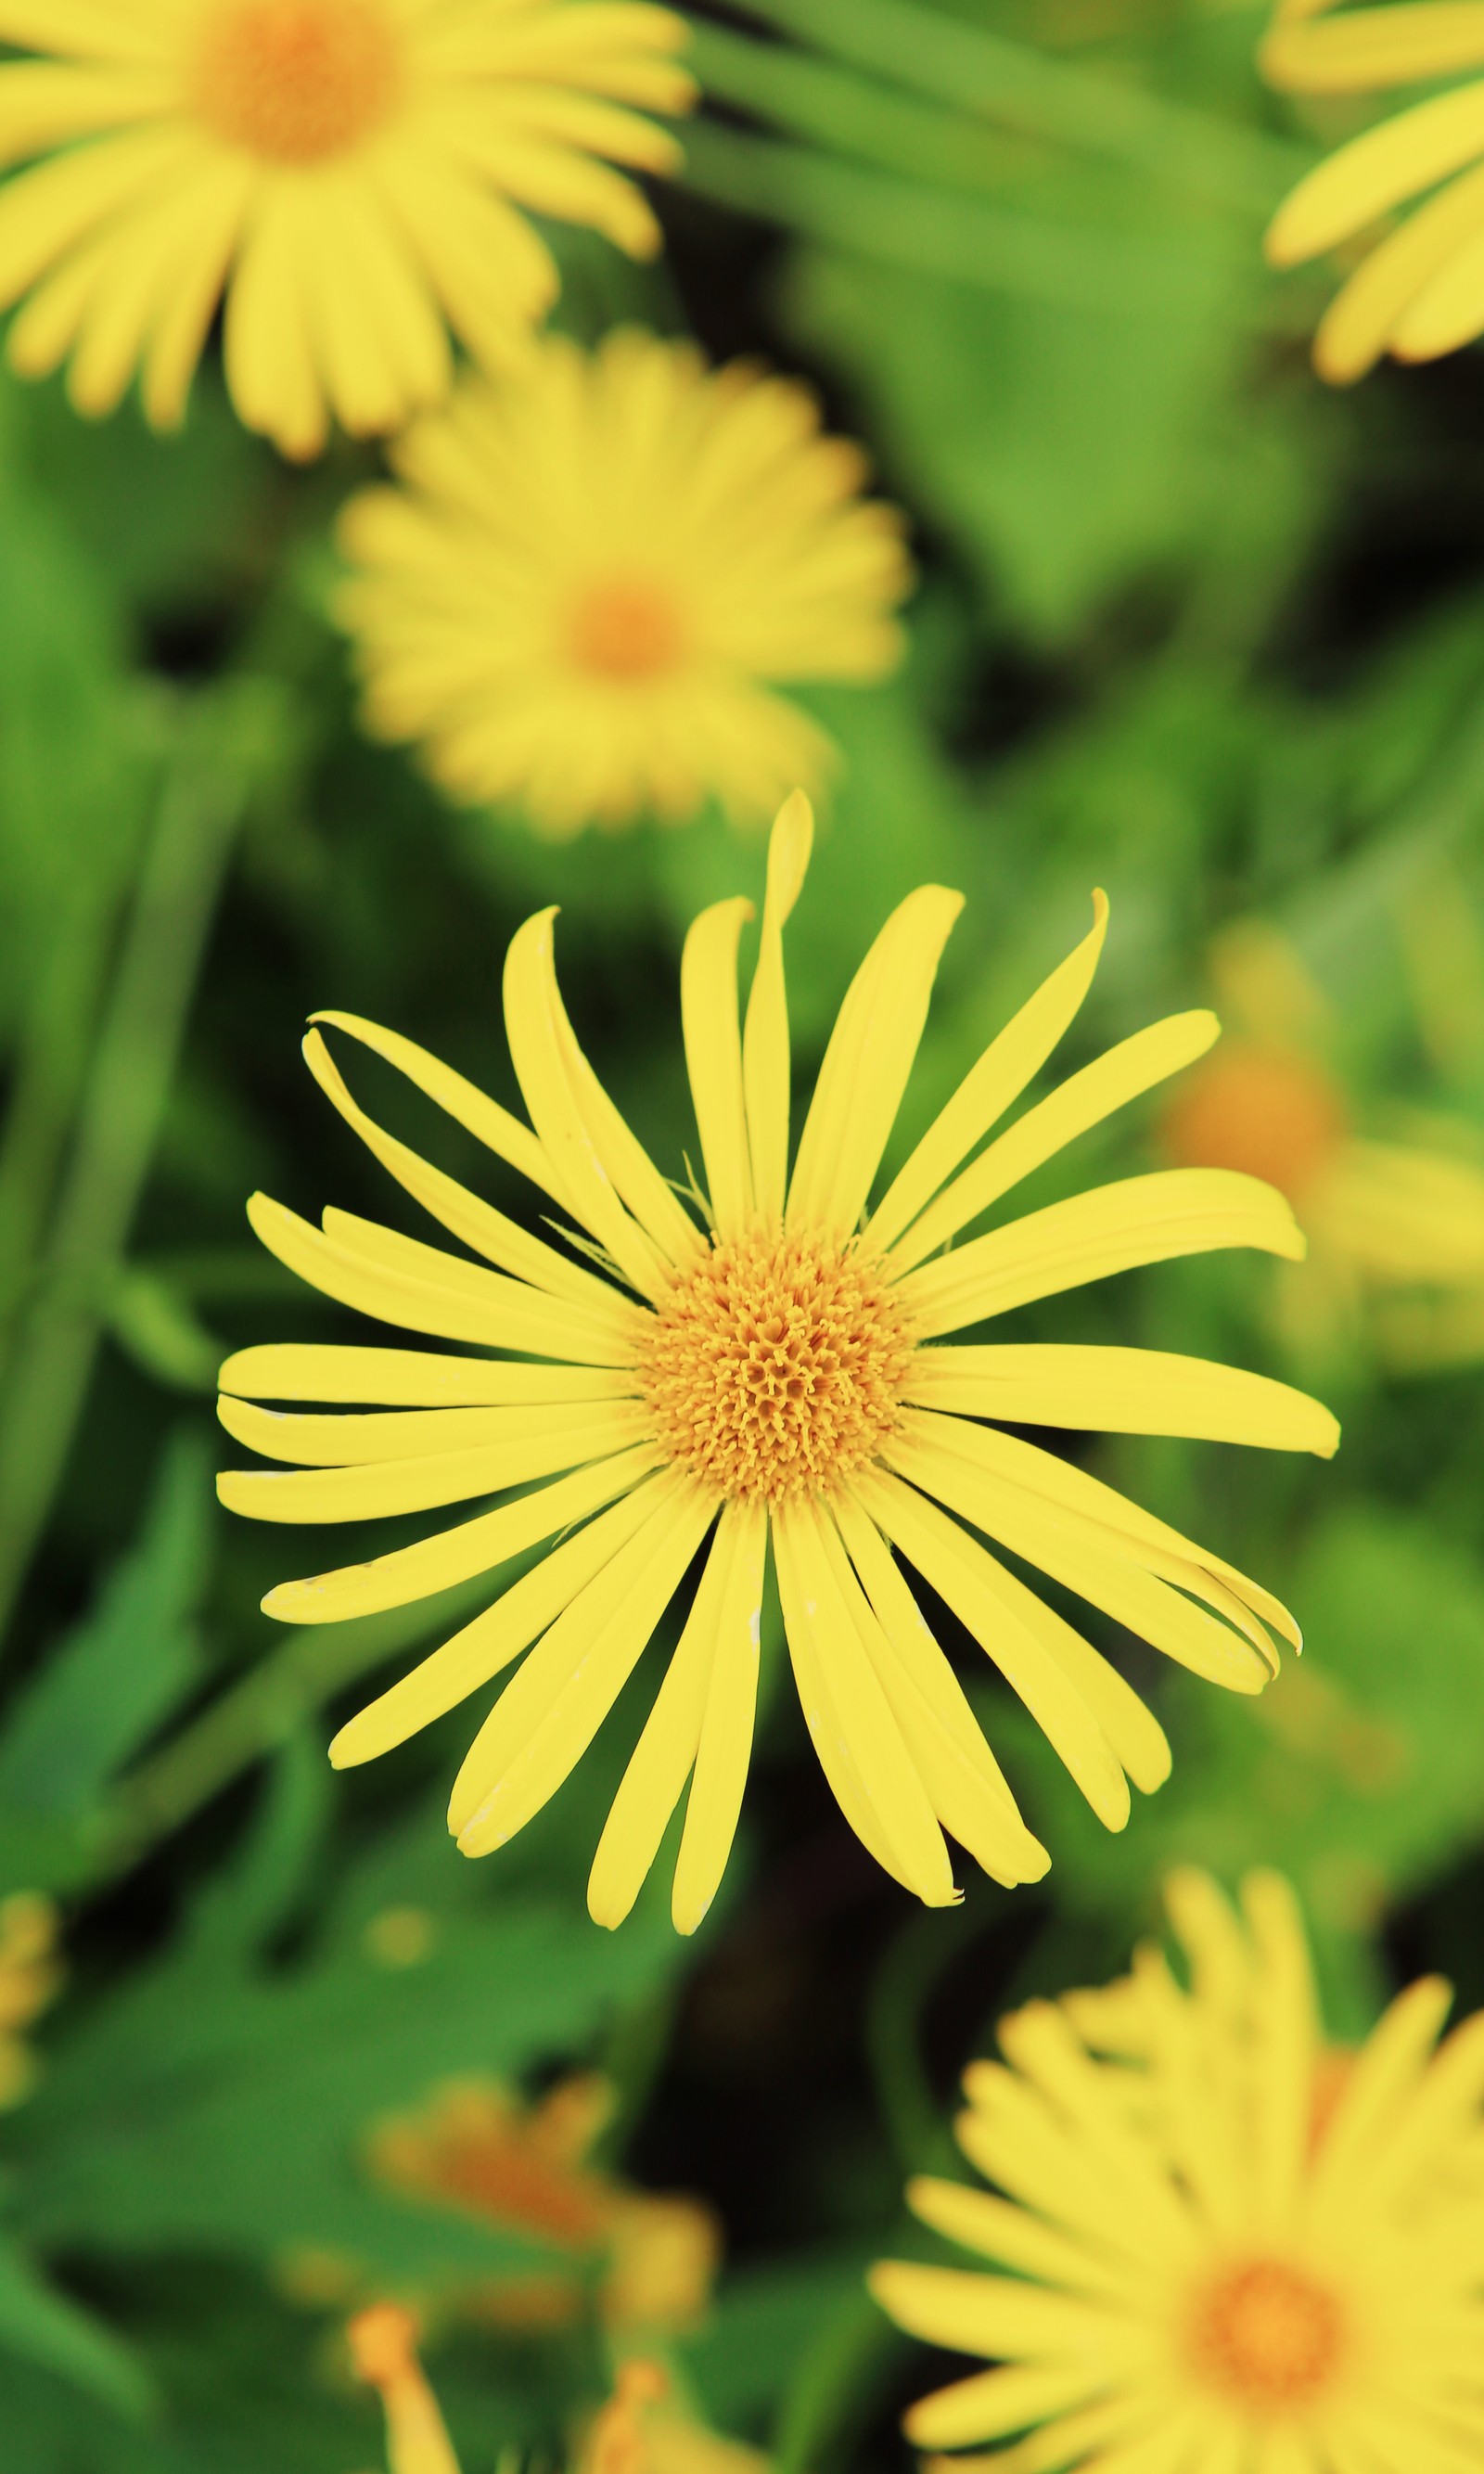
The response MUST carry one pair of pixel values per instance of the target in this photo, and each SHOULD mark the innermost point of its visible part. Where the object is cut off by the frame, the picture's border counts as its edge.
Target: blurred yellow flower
(1230, 2248)
(1395, 1229)
(30, 1975)
(1419, 289)
(383, 2345)
(476, 2148)
(770, 1374)
(594, 569)
(352, 173)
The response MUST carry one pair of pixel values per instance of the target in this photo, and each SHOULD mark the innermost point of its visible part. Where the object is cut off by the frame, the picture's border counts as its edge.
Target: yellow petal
(539, 1052)
(1120, 1391)
(455, 1555)
(1285, 2049)
(412, 1378)
(1378, 2087)
(712, 1048)
(1358, 327)
(547, 1715)
(765, 1033)
(1376, 172)
(411, 1434)
(991, 1086)
(380, 1487)
(1014, 2237)
(1109, 1229)
(976, 2313)
(868, 1063)
(969, 1580)
(1081, 1102)
(482, 1648)
(995, 2403)
(725, 1745)
(857, 1737)
(465, 1215)
(1375, 47)
(623, 1159)
(463, 1101)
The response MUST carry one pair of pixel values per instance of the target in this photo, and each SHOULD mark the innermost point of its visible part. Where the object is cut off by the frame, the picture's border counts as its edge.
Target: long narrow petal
(665, 1752)
(976, 2313)
(482, 1648)
(857, 1736)
(714, 1063)
(398, 1283)
(724, 1749)
(1358, 327)
(412, 1378)
(991, 1086)
(1109, 1229)
(766, 1032)
(969, 1580)
(1120, 1391)
(539, 1054)
(1135, 1066)
(1379, 2084)
(465, 1215)
(868, 1063)
(463, 1101)
(547, 1715)
(1017, 2237)
(383, 1490)
(342, 1442)
(1375, 47)
(993, 2404)
(1285, 2050)
(1376, 172)
(622, 1157)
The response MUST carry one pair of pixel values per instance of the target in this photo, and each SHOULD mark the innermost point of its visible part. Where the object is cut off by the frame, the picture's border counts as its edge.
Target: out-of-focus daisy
(1228, 2248)
(474, 2147)
(1395, 1229)
(354, 174)
(1418, 288)
(582, 595)
(771, 1369)
(30, 1975)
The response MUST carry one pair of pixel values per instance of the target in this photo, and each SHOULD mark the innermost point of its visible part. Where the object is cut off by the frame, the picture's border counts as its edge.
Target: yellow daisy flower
(590, 574)
(351, 173)
(773, 1372)
(1395, 1228)
(1419, 290)
(1230, 2248)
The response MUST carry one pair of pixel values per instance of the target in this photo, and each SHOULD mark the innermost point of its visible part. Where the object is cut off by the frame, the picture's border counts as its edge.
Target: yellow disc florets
(297, 81)
(775, 1365)
(1267, 2335)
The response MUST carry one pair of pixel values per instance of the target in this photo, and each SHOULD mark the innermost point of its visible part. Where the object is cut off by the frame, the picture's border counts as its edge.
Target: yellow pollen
(625, 627)
(296, 81)
(1267, 2335)
(1265, 1111)
(775, 1367)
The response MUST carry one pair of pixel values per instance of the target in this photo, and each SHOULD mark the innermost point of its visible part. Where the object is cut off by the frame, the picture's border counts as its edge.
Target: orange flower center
(775, 1367)
(626, 627)
(1269, 1113)
(296, 81)
(1267, 2335)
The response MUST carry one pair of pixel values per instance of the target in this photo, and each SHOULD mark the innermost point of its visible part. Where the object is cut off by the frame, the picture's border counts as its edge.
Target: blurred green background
(1189, 628)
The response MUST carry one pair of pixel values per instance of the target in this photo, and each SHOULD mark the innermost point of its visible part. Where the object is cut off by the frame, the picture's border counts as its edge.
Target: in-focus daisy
(1395, 1228)
(474, 2147)
(1419, 289)
(593, 574)
(354, 174)
(30, 1975)
(1230, 2248)
(772, 1372)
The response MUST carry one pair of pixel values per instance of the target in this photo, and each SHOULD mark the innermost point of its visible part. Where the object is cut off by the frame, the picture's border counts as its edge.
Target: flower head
(30, 1973)
(475, 2148)
(352, 174)
(591, 572)
(1419, 290)
(773, 1371)
(1229, 2245)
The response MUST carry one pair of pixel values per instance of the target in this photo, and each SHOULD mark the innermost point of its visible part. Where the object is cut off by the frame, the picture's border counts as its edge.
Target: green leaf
(43, 2326)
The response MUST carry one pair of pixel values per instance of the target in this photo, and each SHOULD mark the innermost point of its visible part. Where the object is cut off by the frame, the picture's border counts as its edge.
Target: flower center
(295, 81)
(775, 1365)
(625, 627)
(1271, 1114)
(1266, 2336)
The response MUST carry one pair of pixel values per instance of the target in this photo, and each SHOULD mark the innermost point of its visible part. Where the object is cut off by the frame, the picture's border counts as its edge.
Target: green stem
(122, 1104)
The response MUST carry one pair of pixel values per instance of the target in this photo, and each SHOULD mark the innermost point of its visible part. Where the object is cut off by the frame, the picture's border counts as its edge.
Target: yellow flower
(383, 2353)
(1395, 1229)
(474, 2147)
(30, 1975)
(772, 1374)
(349, 172)
(579, 596)
(1419, 290)
(1230, 2248)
